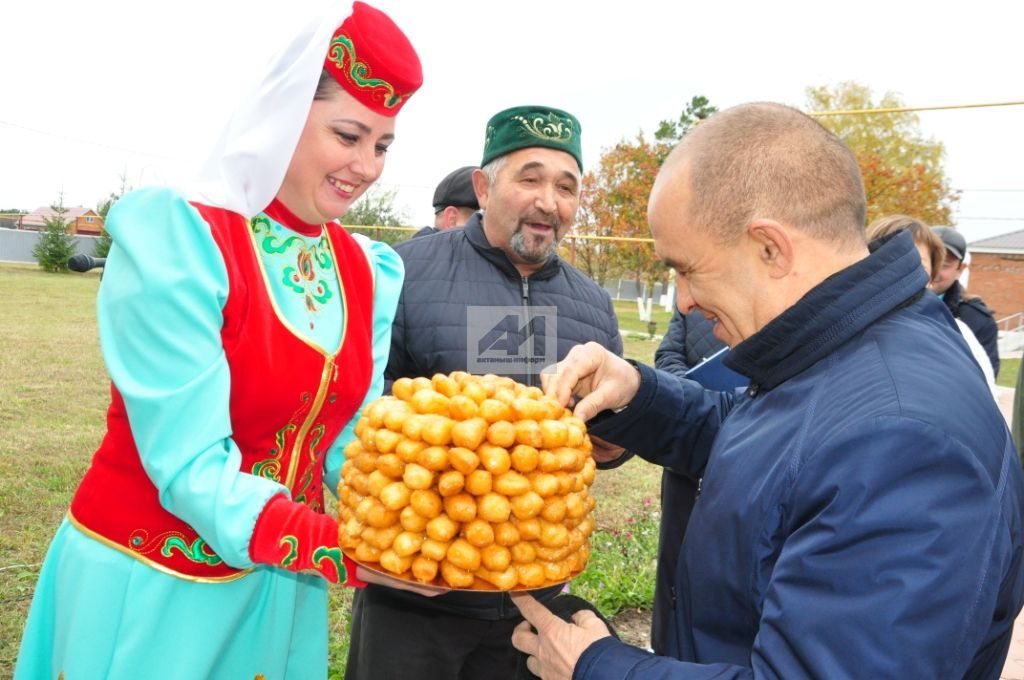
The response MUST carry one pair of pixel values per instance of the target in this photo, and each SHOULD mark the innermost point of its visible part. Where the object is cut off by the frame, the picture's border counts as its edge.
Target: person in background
(861, 508)
(454, 201)
(689, 340)
(933, 252)
(970, 308)
(472, 286)
(196, 545)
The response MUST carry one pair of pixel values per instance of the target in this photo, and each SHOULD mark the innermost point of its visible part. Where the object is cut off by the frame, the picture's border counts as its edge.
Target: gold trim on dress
(151, 563)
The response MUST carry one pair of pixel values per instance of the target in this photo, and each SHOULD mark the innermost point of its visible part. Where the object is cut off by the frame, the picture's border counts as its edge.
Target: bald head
(771, 161)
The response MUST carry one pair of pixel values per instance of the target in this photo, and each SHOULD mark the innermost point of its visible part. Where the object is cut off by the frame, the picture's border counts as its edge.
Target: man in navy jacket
(860, 505)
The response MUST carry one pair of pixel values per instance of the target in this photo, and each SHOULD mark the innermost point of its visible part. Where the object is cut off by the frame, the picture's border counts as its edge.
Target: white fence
(16, 245)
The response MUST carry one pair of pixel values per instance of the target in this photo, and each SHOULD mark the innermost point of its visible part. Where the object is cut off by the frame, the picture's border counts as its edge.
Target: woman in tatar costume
(243, 330)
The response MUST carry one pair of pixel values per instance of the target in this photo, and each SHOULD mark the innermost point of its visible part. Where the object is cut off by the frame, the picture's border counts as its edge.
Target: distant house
(80, 220)
(997, 272)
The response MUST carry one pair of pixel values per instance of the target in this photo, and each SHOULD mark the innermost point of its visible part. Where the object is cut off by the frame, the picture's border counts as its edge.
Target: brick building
(997, 272)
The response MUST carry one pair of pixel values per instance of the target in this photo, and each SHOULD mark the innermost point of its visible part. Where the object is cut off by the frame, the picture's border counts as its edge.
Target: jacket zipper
(529, 339)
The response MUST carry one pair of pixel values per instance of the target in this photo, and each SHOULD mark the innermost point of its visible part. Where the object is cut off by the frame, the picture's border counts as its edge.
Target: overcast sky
(94, 90)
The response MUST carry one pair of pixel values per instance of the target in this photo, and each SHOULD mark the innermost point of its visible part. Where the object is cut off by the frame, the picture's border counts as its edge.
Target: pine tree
(55, 244)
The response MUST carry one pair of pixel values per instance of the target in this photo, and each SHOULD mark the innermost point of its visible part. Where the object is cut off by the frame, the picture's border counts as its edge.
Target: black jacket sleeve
(671, 353)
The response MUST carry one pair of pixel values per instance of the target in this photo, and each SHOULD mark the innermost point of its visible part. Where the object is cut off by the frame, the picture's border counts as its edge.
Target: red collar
(282, 215)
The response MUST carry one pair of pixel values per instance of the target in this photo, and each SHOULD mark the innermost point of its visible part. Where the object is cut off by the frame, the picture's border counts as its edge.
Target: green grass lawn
(1008, 370)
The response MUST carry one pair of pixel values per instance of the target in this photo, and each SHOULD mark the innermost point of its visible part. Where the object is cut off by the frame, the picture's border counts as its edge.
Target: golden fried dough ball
(469, 434)
(495, 557)
(493, 507)
(426, 503)
(442, 529)
(506, 579)
(544, 483)
(524, 458)
(529, 529)
(506, 534)
(367, 553)
(433, 458)
(501, 433)
(479, 482)
(494, 458)
(511, 483)
(407, 449)
(421, 383)
(553, 535)
(461, 507)
(407, 543)
(575, 505)
(394, 562)
(528, 432)
(395, 496)
(531, 575)
(381, 538)
(412, 520)
(389, 463)
(450, 483)
(456, 577)
(402, 389)
(424, 569)
(378, 515)
(395, 416)
(557, 571)
(566, 482)
(376, 481)
(589, 471)
(437, 430)
(462, 407)
(527, 505)
(463, 460)
(474, 391)
(385, 441)
(413, 426)
(478, 532)
(554, 509)
(464, 555)
(554, 433)
(445, 385)
(523, 552)
(435, 550)
(429, 401)
(493, 410)
(416, 476)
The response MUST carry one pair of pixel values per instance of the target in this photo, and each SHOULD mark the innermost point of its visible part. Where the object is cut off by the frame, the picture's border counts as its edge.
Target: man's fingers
(588, 620)
(524, 639)
(534, 665)
(534, 612)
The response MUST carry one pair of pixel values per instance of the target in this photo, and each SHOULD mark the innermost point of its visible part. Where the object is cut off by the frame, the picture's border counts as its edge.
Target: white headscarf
(250, 160)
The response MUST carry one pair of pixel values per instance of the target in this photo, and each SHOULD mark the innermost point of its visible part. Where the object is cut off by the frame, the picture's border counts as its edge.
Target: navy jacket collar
(496, 256)
(834, 311)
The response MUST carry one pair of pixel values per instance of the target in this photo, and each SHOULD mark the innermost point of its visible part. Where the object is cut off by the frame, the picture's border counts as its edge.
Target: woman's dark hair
(327, 86)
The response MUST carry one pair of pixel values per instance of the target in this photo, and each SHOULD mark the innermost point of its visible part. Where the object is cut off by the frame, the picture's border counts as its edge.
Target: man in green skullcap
(492, 297)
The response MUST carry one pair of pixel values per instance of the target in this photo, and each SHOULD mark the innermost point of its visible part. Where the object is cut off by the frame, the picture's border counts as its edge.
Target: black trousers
(391, 641)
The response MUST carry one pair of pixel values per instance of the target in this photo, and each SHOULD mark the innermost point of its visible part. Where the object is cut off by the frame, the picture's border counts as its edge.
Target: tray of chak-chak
(465, 482)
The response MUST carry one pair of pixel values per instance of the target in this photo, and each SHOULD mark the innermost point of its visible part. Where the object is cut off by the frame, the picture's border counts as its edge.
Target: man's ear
(774, 245)
(481, 187)
(450, 217)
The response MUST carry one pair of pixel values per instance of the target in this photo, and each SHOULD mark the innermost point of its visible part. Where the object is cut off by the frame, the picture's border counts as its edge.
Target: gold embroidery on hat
(550, 128)
(342, 49)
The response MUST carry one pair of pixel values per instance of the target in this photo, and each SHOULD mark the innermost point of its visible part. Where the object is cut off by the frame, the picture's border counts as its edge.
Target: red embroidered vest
(289, 401)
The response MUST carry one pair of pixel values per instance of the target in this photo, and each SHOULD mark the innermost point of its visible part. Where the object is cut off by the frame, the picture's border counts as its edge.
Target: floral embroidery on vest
(270, 468)
(169, 541)
(300, 266)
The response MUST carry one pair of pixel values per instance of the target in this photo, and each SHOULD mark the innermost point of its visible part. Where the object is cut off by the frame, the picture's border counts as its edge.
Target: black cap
(457, 190)
(953, 240)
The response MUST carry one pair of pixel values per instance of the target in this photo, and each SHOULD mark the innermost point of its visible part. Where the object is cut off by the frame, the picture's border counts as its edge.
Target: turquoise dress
(98, 613)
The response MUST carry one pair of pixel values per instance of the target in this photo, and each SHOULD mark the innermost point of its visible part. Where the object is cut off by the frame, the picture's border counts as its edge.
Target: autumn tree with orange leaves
(903, 171)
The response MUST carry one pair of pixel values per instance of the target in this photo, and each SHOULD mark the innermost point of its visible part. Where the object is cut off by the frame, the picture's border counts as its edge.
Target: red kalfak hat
(373, 61)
